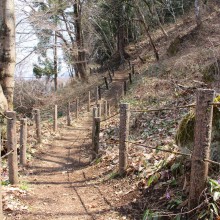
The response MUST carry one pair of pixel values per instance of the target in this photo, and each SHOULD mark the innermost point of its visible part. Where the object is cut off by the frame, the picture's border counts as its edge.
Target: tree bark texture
(81, 62)
(121, 31)
(7, 49)
(55, 62)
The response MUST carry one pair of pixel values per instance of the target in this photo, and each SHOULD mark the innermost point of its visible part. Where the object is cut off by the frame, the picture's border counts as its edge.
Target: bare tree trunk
(121, 32)
(81, 62)
(147, 32)
(55, 61)
(198, 13)
(7, 49)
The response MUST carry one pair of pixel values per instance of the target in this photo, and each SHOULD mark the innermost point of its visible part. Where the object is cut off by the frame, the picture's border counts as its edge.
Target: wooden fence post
(99, 110)
(113, 72)
(95, 112)
(94, 115)
(95, 141)
(38, 126)
(122, 91)
(106, 83)
(202, 141)
(133, 72)
(125, 87)
(123, 137)
(89, 101)
(130, 78)
(68, 115)
(105, 109)
(108, 109)
(55, 119)
(110, 75)
(12, 146)
(99, 93)
(129, 64)
(23, 142)
(77, 108)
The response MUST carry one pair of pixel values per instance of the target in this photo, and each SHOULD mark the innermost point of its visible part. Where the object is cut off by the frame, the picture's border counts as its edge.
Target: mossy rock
(210, 72)
(185, 134)
(174, 46)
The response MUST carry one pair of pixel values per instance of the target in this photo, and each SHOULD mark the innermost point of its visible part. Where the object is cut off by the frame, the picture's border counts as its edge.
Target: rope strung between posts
(167, 151)
(175, 108)
(110, 117)
(10, 152)
(164, 109)
(159, 149)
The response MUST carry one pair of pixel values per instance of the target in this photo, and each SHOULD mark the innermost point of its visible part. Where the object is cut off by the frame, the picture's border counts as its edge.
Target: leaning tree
(7, 54)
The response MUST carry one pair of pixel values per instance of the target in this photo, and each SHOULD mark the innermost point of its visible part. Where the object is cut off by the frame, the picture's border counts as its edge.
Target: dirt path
(61, 190)
(62, 183)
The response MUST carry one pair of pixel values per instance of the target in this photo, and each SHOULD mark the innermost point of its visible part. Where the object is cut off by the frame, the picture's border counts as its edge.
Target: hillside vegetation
(157, 180)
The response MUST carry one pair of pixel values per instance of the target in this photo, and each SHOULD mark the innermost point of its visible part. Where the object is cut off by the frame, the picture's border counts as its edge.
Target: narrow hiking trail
(63, 184)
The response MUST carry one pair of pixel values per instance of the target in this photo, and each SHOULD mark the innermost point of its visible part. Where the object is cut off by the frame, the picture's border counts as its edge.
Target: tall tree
(7, 51)
(81, 57)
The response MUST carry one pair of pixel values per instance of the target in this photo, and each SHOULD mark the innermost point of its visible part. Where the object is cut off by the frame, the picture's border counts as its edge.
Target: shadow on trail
(44, 215)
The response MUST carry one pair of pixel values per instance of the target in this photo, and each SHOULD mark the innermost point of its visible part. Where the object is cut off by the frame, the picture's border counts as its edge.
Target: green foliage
(150, 215)
(153, 179)
(212, 209)
(113, 175)
(105, 24)
(174, 203)
(5, 183)
(24, 186)
(45, 68)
